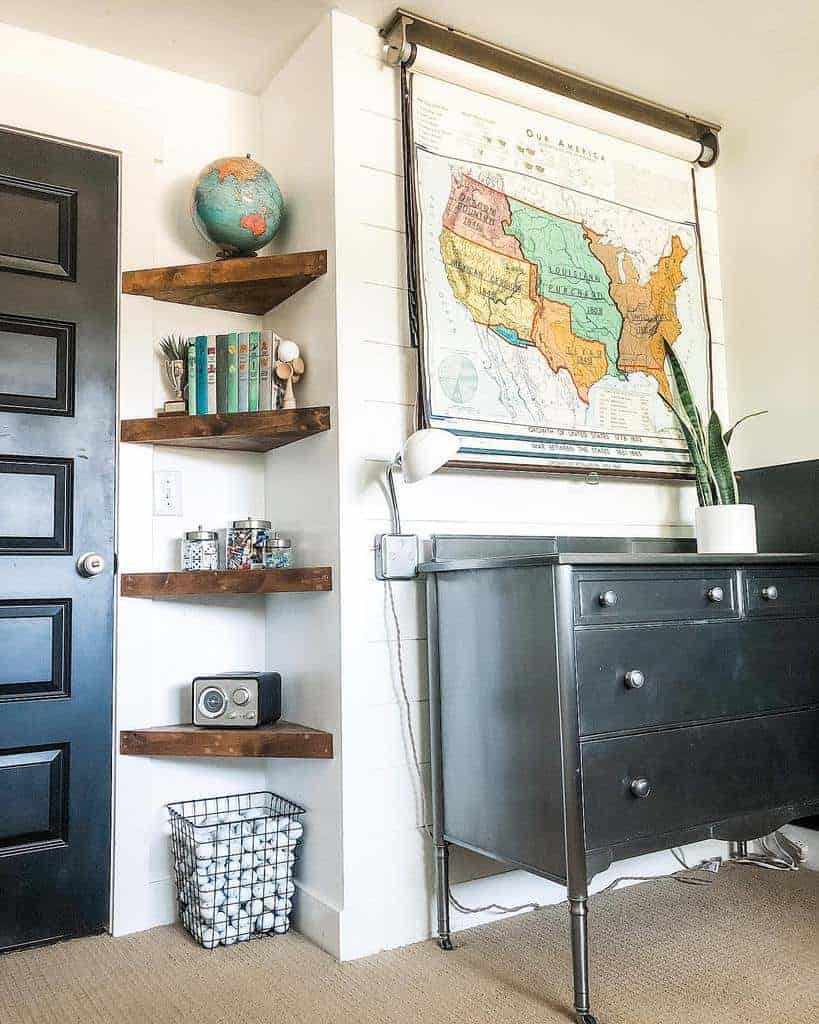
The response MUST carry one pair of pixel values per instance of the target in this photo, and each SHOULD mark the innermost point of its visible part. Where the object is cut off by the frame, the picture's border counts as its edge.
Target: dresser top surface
(626, 560)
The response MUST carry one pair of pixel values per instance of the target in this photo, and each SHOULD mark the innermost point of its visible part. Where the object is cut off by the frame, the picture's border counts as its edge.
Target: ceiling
(706, 56)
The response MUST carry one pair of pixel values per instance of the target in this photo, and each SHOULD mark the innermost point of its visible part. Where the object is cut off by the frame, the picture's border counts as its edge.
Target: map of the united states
(540, 279)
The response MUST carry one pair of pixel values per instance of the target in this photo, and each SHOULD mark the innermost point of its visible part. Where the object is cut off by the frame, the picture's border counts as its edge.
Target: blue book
(201, 374)
(191, 376)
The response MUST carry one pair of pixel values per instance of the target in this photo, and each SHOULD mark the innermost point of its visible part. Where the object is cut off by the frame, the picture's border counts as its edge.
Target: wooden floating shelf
(226, 581)
(246, 284)
(236, 431)
(281, 739)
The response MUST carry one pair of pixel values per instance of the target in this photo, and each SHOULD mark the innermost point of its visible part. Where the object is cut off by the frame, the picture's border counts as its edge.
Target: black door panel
(58, 289)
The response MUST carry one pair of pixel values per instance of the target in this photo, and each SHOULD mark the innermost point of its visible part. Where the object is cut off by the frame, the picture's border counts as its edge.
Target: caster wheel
(445, 943)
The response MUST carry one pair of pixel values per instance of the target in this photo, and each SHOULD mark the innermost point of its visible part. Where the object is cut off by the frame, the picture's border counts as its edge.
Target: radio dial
(241, 696)
(212, 702)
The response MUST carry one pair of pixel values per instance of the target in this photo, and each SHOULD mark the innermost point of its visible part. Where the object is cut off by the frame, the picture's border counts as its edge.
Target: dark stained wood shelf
(235, 431)
(246, 284)
(281, 739)
(226, 581)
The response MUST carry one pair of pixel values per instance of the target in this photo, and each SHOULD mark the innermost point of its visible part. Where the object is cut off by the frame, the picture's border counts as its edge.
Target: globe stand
(226, 254)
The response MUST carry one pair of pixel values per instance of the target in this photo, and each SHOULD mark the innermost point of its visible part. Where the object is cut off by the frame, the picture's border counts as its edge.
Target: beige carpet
(745, 951)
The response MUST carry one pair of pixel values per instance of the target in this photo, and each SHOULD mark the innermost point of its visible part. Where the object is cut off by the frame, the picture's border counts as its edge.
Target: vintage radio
(237, 699)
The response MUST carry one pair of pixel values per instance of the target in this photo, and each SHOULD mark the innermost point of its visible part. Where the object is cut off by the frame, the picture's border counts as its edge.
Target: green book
(253, 372)
(242, 372)
(233, 372)
(221, 373)
(191, 376)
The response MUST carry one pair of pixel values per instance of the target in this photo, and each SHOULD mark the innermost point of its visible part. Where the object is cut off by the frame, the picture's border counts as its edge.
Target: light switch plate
(396, 556)
(167, 492)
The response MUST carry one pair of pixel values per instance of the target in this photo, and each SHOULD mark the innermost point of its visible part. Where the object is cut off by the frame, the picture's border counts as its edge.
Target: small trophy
(175, 364)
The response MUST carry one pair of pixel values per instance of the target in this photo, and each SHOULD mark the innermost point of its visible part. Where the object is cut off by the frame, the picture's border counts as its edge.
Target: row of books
(232, 372)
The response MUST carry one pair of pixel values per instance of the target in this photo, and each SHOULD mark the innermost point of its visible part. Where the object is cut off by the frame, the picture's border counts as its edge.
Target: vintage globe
(237, 205)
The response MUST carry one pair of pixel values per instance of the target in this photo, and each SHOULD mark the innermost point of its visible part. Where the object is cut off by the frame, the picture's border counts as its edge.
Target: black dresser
(590, 704)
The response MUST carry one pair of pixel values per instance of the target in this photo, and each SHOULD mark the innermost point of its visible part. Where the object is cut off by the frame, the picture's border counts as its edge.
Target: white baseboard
(317, 921)
(149, 907)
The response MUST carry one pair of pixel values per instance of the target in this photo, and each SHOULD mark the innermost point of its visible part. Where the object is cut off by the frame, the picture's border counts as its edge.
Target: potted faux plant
(722, 524)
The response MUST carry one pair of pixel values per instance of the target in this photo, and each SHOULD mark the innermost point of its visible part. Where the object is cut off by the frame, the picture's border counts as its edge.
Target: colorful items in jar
(280, 552)
(247, 543)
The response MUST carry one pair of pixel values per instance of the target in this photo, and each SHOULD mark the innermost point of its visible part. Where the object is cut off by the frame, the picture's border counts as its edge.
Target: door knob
(90, 564)
(639, 788)
(770, 593)
(716, 594)
(635, 679)
(607, 599)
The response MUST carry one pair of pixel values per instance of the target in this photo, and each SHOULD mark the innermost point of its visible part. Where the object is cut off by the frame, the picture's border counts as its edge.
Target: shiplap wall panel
(378, 373)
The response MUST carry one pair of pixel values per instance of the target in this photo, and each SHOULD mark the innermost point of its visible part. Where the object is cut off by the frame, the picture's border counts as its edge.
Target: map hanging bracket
(405, 32)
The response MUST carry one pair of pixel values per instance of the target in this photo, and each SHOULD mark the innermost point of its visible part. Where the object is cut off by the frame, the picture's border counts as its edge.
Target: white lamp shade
(425, 451)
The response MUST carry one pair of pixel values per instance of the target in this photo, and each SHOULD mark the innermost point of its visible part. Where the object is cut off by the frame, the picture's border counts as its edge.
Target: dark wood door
(58, 311)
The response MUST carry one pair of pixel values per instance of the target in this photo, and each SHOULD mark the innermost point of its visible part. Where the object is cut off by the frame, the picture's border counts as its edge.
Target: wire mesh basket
(233, 862)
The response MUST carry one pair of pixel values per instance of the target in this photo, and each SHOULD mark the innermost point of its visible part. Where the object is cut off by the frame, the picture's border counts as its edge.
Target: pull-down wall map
(552, 264)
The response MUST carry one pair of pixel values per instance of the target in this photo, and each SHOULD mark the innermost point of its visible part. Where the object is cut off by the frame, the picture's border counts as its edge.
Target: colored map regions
(649, 310)
(536, 278)
(496, 289)
(569, 273)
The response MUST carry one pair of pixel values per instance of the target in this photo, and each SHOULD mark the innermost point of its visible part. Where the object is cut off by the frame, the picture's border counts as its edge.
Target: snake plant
(708, 448)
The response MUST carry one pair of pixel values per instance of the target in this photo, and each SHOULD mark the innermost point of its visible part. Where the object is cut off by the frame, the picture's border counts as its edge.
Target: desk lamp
(425, 451)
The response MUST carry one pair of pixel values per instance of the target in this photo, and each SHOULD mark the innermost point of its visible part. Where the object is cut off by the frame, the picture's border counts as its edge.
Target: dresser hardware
(635, 679)
(716, 594)
(608, 598)
(770, 593)
(639, 788)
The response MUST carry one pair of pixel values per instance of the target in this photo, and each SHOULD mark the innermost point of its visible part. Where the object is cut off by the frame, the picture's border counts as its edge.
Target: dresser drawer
(778, 593)
(639, 676)
(697, 775)
(652, 596)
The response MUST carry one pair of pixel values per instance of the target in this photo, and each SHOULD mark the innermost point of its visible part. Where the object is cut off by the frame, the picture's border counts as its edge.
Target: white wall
(166, 127)
(301, 480)
(769, 182)
(387, 878)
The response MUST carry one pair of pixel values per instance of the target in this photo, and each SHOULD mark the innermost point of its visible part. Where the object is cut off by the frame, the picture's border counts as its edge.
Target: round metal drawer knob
(716, 594)
(608, 599)
(770, 593)
(635, 679)
(639, 788)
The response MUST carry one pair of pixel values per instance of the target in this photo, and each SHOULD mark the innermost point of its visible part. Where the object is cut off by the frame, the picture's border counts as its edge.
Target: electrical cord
(408, 713)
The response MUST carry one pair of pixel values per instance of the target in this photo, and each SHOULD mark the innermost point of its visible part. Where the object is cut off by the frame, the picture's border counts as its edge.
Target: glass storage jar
(279, 552)
(200, 550)
(247, 543)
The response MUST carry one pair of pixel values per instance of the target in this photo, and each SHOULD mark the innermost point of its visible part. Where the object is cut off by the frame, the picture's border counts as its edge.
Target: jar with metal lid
(279, 552)
(247, 543)
(200, 550)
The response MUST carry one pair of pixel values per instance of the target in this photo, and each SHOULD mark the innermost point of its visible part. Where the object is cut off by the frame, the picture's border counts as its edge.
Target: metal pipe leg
(580, 959)
(442, 894)
(738, 850)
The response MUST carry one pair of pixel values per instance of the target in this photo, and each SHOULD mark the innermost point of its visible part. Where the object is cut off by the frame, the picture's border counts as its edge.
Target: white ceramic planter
(725, 529)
